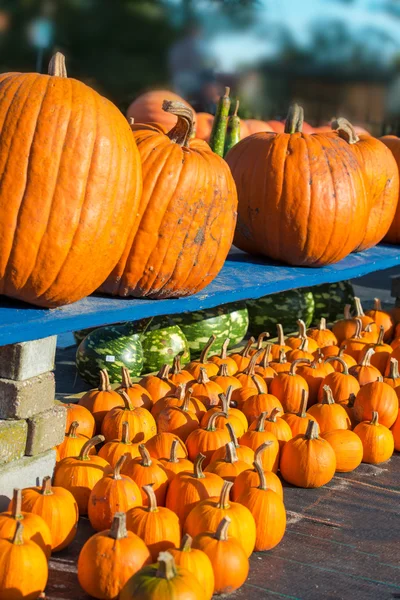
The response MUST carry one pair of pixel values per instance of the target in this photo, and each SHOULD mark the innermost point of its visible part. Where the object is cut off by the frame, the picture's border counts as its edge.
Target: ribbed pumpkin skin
(187, 216)
(71, 185)
(147, 108)
(285, 198)
(393, 235)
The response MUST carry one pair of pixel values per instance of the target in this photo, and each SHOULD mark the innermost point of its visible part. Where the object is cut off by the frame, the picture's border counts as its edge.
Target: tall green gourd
(218, 132)
(233, 130)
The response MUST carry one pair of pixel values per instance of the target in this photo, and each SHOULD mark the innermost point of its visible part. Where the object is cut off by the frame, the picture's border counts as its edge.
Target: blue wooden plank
(242, 277)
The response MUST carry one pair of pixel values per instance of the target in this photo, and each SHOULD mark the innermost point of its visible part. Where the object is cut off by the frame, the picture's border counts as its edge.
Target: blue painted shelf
(241, 278)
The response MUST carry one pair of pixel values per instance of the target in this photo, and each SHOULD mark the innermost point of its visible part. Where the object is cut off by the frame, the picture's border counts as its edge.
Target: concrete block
(23, 399)
(13, 436)
(46, 430)
(26, 472)
(27, 359)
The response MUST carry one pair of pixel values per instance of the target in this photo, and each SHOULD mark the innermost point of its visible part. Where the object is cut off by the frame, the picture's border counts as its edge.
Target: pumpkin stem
(359, 308)
(186, 543)
(304, 344)
(226, 399)
(380, 336)
(368, 327)
(261, 338)
(145, 455)
(302, 328)
(198, 465)
(206, 350)
(125, 438)
(46, 486)
(294, 119)
(247, 348)
(176, 368)
(339, 360)
(261, 475)
(380, 378)
(126, 399)
(250, 369)
(366, 361)
(181, 392)
(224, 495)
(18, 537)
(322, 324)
(257, 384)
(57, 66)
(72, 429)
(185, 405)
(126, 378)
(84, 453)
(375, 417)
(17, 504)
(104, 381)
(166, 566)
(281, 335)
(203, 377)
(267, 352)
(221, 533)
(211, 423)
(352, 399)
(282, 357)
(118, 527)
(118, 466)
(261, 421)
(273, 414)
(345, 130)
(327, 395)
(223, 370)
(346, 312)
(224, 348)
(173, 457)
(377, 304)
(394, 369)
(357, 333)
(163, 373)
(259, 451)
(303, 404)
(293, 366)
(183, 130)
(230, 453)
(232, 434)
(151, 497)
(312, 431)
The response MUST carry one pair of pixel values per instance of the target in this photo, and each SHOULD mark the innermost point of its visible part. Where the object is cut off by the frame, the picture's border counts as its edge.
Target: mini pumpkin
(138, 396)
(289, 387)
(205, 390)
(328, 413)
(234, 416)
(322, 335)
(174, 465)
(298, 422)
(76, 412)
(380, 397)
(301, 352)
(364, 371)
(224, 359)
(277, 426)
(146, 470)
(244, 453)
(247, 379)
(203, 363)
(393, 377)
(177, 399)
(365, 319)
(345, 328)
(281, 364)
(250, 478)
(314, 374)
(112, 451)
(142, 425)
(254, 437)
(159, 446)
(228, 467)
(225, 380)
(354, 345)
(101, 400)
(342, 383)
(208, 439)
(196, 562)
(280, 344)
(347, 447)
(382, 318)
(158, 385)
(295, 341)
(72, 443)
(178, 375)
(179, 420)
(243, 358)
(377, 440)
(264, 368)
(260, 402)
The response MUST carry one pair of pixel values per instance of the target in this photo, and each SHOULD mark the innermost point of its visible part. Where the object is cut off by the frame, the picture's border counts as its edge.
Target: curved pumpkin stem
(183, 130)
(379, 341)
(173, 457)
(104, 381)
(304, 344)
(211, 426)
(358, 307)
(118, 527)
(126, 399)
(345, 130)
(223, 370)
(166, 566)
(247, 348)
(303, 404)
(261, 338)
(261, 475)
(261, 421)
(203, 377)
(230, 453)
(198, 466)
(186, 400)
(282, 357)
(327, 395)
(206, 350)
(145, 456)
(293, 366)
(164, 372)
(280, 336)
(73, 429)
(226, 399)
(273, 414)
(294, 119)
(258, 453)
(126, 378)
(377, 304)
(347, 313)
(312, 431)
(357, 333)
(118, 467)
(148, 490)
(224, 495)
(224, 348)
(86, 448)
(125, 437)
(221, 533)
(339, 360)
(232, 435)
(375, 417)
(267, 352)
(394, 369)
(258, 385)
(251, 367)
(186, 543)
(46, 486)
(17, 504)
(18, 538)
(57, 66)
(322, 324)
(302, 328)
(366, 360)
(176, 368)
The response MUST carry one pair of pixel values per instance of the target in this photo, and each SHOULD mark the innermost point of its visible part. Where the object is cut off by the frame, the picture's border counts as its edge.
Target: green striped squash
(330, 300)
(239, 316)
(111, 348)
(285, 308)
(199, 326)
(162, 340)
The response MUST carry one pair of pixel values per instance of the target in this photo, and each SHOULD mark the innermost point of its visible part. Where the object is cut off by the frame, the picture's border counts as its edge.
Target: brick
(27, 359)
(25, 472)
(46, 430)
(23, 399)
(13, 436)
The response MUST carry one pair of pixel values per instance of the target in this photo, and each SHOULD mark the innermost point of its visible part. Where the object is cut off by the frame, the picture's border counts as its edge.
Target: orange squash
(188, 488)
(264, 368)
(174, 465)
(234, 416)
(328, 413)
(112, 451)
(298, 422)
(247, 379)
(377, 440)
(178, 375)
(73, 443)
(323, 336)
(355, 344)
(268, 511)
(259, 403)
(177, 399)
(76, 412)
(347, 447)
(254, 437)
(208, 439)
(250, 478)
(101, 400)
(142, 425)
(158, 385)
(225, 380)
(307, 460)
(119, 554)
(280, 344)
(227, 556)
(349, 360)
(147, 108)
(281, 364)
(160, 445)
(242, 358)
(207, 515)
(365, 319)
(380, 397)
(224, 359)
(296, 341)
(341, 382)
(289, 387)
(228, 467)
(244, 453)
(277, 426)
(382, 318)
(326, 352)
(146, 470)
(300, 352)
(179, 420)
(345, 328)
(138, 396)
(364, 371)
(314, 374)
(197, 563)
(205, 390)
(113, 493)
(203, 363)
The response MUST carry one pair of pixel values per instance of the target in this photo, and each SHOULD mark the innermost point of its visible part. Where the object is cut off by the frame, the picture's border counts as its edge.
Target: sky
(233, 49)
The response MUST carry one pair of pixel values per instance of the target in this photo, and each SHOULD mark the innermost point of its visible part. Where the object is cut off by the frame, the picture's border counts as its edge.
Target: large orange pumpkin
(70, 190)
(288, 184)
(393, 235)
(147, 108)
(186, 217)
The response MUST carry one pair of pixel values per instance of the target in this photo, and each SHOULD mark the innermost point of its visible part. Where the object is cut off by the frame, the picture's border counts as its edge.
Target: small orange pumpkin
(203, 363)
(76, 412)
(259, 403)
(72, 443)
(244, 453)
(242, 358)
(250, 478)
(281, 364)
(289, 387)
(300, 352)
(208, 439)
(355, 344)
(101, 400)
(328, 413)
(341, 383)
(138, 396)
(280, 344)
(178, 375)
(296, 341)
(264, 368)
(298, 422)
(382, 318)
(234, 416)
(377, 440)
(322, 335)
(197, 563)
(205, 390)
(158, 385)
(365, 319)
(364, 371)
(228, 467)
(247, 379)
(179, 420)
(259, 346)
(349, 360)
(142, 425)
(254, 437)
(225, 380)
(345, 328)
(277, 426)
(160, 445)
(380, 397)
(112, 451)
(177, 399)
(224, 359)
(347, 447)
(174, 465)
(146, 470)
(314, 374)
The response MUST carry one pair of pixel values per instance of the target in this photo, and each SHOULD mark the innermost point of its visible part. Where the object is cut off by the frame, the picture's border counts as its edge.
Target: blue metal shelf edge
(241, 278)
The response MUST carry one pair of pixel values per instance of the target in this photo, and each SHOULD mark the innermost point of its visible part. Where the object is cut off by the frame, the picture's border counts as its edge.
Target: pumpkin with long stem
(259, 346)
(280, 344)
(347, 447)
(259, 403)
(225, 380)
(178, 375)
(377, 440)
(57, 507)
(157, 526)
(35, 527)
(264, 368)
(18, 550)
(243, 357)
(207, 515)
(208, 439)
(380, 397)
(364, 371)
(355, 344)
(72, 443)
(250, 478)
(160, 445)
(322, 336)
(205, 390)
(295, 341)
(203, 363)
(174, 465)
(163, 580)
(118, 553)
(349, 360)
(179, 420)
(328, 414)
(393, 376)
(80, 474)
(298, 422)
(228, 467)
(244, 453)
(301, 352)
(248, 377)
(345, 328)
(142, 425)
(234, 416)
(289, 386)
(112, 493)
(76, 412)
(196, 562)
(146, 470)
(188, 488)
(276, 425)
(227, 556)
(112, 451)
(281, 363)
(224, 359)
(342, 383)
(370, 334)
(138, 396)
(253, 438)
(326, 352)
(382, 318)
(101, 400)
(314, 374)
(158, 385)
(360, 314)
(308, 461)
(177, 399)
